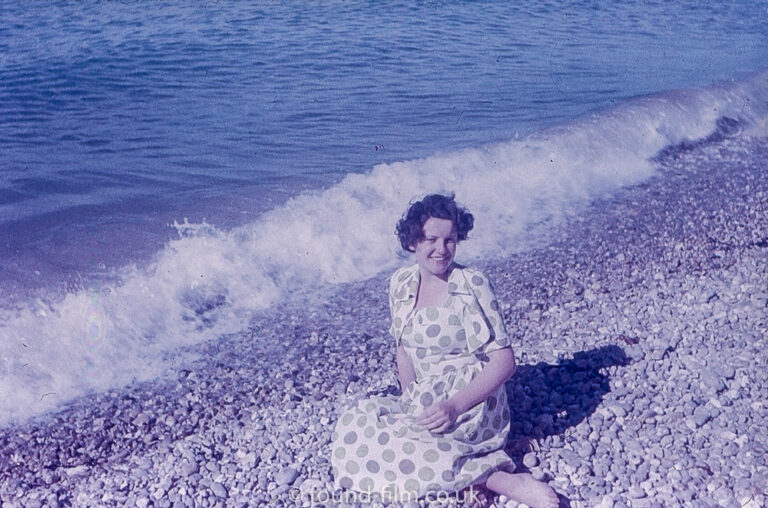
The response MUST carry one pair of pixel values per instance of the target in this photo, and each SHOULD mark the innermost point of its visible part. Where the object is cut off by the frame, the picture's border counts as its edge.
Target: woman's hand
(438, 417)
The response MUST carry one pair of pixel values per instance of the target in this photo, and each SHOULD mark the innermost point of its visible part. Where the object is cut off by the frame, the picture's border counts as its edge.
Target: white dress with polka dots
(378, 448)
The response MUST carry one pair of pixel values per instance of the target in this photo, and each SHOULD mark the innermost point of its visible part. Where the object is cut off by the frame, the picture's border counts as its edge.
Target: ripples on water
(118, 118)
(104, 101)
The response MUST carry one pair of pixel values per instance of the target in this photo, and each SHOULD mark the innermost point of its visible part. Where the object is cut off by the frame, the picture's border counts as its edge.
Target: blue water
(256, 122)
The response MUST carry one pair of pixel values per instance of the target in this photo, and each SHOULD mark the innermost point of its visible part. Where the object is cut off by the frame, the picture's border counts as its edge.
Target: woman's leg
(523, 488)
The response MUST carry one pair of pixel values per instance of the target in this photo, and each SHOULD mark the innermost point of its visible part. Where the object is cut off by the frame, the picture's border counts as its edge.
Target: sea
(168, 169)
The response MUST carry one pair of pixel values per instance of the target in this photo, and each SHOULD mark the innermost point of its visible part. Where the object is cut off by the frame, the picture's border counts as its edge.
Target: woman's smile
(436, 250)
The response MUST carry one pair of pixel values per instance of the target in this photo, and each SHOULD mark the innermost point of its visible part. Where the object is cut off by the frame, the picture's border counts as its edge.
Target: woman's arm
(501, 365)
(405, 371)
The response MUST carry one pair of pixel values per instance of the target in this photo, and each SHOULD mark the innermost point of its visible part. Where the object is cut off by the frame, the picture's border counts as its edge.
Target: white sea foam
(208, 282)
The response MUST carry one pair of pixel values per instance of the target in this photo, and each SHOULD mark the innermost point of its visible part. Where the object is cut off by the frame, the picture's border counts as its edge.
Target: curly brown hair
(410, 229)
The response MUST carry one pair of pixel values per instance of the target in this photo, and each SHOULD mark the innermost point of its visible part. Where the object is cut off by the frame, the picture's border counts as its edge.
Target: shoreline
(639, 332)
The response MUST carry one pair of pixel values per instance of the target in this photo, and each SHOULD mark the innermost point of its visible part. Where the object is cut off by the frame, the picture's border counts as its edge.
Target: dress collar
(457, 283)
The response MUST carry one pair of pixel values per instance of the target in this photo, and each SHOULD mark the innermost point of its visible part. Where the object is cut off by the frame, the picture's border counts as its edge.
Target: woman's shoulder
(474, 276)
(404, 272)
(402, 275)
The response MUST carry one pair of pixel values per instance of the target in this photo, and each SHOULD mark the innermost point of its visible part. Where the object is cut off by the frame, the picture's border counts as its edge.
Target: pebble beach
(639, 329)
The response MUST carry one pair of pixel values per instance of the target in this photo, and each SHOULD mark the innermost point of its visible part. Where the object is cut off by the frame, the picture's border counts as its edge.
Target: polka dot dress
(377, 447)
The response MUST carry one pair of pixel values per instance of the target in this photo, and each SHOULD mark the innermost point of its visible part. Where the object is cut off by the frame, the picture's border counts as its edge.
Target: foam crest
(208, 282)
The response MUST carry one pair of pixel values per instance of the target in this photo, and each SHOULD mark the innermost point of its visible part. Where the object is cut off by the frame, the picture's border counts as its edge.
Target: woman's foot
(523, 488)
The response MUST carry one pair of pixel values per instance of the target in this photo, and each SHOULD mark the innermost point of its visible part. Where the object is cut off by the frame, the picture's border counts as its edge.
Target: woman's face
(435, 252)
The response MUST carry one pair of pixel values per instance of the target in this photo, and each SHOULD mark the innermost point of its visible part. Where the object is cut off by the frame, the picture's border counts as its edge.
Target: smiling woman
(447, 430)
(435, 252)
(431, 228)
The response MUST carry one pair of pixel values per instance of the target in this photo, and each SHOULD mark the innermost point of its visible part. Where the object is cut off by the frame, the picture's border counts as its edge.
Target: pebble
(218, 490)
(286, 476)
(268, 453)
(607, 502)
(189, 468)
(701, 415)
(530, 460)
(617, 410)
(711, 381)
(725, 370)
(586, 450)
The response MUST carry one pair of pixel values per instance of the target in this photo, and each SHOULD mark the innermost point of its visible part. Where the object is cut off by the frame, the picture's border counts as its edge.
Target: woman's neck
(433, 289)
(429, 278)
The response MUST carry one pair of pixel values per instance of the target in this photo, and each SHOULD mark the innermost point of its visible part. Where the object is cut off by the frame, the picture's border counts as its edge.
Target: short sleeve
(398, 298)
(393, 330)
(490, 311)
